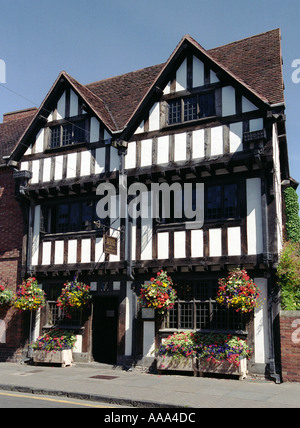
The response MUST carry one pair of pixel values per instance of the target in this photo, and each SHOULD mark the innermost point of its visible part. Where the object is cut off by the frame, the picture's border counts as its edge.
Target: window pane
(55, 137)
(67, 135)
(202, 315)
(207, 105)
(230, 201)
(174, 112)
(214, 202)
(79, 132)
(62, 218)
(87, 215)
(74, 217)
(186, 315)
(190, 108)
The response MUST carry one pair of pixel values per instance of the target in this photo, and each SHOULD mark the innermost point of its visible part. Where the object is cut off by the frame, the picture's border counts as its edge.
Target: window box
(181, 364)
(222, 367)
(63, 357)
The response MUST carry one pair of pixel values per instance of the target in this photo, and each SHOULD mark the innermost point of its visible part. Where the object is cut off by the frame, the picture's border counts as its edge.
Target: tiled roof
(257, 61)
(122, 94)
(10, 132)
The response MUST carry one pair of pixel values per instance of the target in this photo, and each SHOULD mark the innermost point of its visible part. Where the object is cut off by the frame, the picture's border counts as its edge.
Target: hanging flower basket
(238, 291)
(159, 294)
(74, 296)
(6, 296)
(29, 296)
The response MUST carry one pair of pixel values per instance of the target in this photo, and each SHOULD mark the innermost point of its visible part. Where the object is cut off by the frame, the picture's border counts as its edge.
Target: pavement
(112, 385)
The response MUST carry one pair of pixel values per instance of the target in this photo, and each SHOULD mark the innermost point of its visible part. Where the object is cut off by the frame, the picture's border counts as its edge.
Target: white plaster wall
(180, 147)
(261, 331)
(198, 146)
(179, 244)
(36, 235)
(85, 165)
(228, 101)
(59, 252)
(215, 242)
(72, 251)
(163, 245)
(86, 250)
(154, 117)
(254, 216)
(46, 259)
(216, 141)
(100, 160)
(47, 169)
(146, 152)
(39, 143)
(181, 77)
(128, 318)
(197, 243)
(35, 171)
(58, 169)
(247, 105)
(198, 72)
(234, 241)
(71, 165)
(130, 158)
(94, 130)
(236, 137)
(73, 104)
(149, 338)
(163, 149)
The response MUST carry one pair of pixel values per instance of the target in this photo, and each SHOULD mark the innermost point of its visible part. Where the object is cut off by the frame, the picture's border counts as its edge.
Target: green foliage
(292, 215)
(288, 273)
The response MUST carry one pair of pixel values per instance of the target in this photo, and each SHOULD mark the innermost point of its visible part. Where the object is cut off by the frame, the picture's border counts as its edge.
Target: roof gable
(257, 62)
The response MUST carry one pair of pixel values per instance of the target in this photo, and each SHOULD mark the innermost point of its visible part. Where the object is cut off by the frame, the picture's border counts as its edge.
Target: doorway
(105, 329)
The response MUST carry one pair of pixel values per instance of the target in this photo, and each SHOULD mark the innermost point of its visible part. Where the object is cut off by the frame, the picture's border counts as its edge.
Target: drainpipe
(266, 260)
(273, 372)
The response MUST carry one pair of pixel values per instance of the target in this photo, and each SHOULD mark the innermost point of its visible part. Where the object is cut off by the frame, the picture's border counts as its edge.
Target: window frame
(239, 202)
(77, 133)
(187, 314)
(180, 114)
(50, 220)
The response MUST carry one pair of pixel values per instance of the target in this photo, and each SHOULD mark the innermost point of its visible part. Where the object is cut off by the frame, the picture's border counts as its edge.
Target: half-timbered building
(209, 117)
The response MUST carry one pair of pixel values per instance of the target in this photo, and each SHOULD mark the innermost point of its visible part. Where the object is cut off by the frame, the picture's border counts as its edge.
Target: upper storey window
(191, 108)
(67, 134)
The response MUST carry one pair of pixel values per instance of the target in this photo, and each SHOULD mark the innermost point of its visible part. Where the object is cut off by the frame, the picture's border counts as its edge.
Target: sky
(96, 39)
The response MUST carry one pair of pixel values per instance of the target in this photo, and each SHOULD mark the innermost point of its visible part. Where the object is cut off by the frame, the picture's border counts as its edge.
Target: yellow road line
(52, 399)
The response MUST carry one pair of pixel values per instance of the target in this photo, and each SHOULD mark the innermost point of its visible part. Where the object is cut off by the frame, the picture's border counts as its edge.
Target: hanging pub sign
(110, 245)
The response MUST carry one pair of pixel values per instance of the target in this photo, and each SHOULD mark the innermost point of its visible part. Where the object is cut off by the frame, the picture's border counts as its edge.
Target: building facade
(206, 128)
(13, 329)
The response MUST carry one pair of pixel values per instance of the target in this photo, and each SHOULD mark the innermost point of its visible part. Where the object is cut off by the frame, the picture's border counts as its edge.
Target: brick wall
(290, 345)
(11, 235)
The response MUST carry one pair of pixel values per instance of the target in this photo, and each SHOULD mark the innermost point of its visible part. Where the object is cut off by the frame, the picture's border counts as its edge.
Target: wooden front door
(105, 329)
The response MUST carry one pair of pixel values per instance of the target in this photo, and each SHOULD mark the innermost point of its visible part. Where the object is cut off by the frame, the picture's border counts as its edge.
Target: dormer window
(191, 108)
(67, 134)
